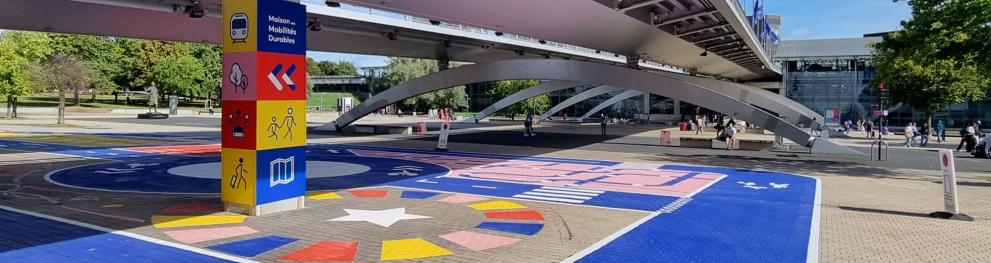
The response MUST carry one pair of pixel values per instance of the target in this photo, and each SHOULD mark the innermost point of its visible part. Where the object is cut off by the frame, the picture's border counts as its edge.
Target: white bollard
(950, 204)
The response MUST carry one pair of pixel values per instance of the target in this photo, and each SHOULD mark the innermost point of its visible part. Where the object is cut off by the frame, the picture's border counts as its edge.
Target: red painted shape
(339, 251)
(192, 150)
(518, 215)
(369, 193)
(194, 208)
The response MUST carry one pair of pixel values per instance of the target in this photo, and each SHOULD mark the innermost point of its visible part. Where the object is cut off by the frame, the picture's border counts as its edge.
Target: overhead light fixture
(315, 25)
(542, 41)
(704, 53)
(547, 56)
(519, 52)
(392, 36)
(195, 10)
(497, 33)
(434, 22)
(332, 4)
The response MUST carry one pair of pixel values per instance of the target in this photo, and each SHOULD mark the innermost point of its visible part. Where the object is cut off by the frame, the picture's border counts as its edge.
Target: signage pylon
(264, 106)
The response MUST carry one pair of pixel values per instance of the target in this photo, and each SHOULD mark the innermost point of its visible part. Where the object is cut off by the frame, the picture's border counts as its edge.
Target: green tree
(179, 75)
(61, 72)
(18, 51)
(313, 68)
(503, 88)
(401, 70)
(210, 58)
(145, 55)
(942, 55)
(100, 54)
(340, 68)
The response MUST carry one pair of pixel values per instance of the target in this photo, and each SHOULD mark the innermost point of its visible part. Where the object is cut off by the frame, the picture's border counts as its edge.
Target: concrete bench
(696, 142)
(755, 145)
(201, 112)
(382, 129)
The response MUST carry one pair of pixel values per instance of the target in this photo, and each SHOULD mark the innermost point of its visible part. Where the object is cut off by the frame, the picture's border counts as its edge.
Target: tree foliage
(941, 56)
(179, 74)
(404, 69)
(332, 68)
(18, 52)
(61, 72)
(504, 88)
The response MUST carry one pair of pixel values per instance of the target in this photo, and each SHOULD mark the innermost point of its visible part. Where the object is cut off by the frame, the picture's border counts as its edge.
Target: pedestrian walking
(925, 135)
(528, 125)
(909, 134)
(698, 125)
(869, 128)
(603, 123)
(940, 131)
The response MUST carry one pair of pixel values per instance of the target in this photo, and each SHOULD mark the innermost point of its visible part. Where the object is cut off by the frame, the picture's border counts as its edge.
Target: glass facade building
(829, 74)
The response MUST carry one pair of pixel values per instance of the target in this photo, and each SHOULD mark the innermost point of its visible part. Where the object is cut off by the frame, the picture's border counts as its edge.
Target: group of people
(727, 133)
(912, 132)
(866, 127)
(970, 137)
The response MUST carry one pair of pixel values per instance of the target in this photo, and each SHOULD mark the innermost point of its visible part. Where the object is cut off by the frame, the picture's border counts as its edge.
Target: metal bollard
(881, 145)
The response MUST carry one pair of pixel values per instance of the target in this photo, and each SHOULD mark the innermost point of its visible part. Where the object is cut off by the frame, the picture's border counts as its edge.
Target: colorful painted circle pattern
(505, 223)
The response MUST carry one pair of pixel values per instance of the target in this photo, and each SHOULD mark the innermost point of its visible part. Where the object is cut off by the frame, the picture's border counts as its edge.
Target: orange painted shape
(323, 251)
(517, 215)
(369, 193)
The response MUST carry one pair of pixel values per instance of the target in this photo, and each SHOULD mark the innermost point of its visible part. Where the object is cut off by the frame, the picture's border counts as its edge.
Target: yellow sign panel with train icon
(240, 32)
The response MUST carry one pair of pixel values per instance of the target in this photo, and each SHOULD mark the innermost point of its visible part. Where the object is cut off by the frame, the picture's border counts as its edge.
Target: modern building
(830, 74)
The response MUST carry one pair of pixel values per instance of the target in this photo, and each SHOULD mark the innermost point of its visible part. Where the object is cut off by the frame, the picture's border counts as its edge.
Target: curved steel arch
(615, 99)
(788, 109)
(584, 95)
(522, 95)
(571, 70)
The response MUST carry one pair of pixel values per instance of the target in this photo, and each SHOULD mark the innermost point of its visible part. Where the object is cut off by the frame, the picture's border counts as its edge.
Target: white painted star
(379, 217)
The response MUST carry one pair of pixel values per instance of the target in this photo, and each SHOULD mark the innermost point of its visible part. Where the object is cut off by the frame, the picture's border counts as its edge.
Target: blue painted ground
(253, 247)
(726, 223)
(26, 238)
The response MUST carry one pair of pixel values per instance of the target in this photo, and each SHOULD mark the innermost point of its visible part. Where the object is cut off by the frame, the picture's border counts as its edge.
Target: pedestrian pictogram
(281, 80)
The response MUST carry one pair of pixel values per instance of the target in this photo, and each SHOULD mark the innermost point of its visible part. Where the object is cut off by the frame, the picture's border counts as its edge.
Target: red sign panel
(281, 76)
(238, 125)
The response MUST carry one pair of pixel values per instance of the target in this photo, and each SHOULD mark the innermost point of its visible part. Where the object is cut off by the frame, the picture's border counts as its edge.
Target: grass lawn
(101, 102)
(327, 101)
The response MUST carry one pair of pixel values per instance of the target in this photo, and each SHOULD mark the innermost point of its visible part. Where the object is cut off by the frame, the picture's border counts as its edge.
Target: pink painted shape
(478, 241)
(636, 179)
(460, 199)
(190, 236)
(708, 176)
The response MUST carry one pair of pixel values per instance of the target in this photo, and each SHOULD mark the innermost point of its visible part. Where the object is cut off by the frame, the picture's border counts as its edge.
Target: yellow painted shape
(238, 187)
(496, 205)
(275, 120)
(323, 195)
(248, 8)
(14, 135)
(411, 249)
(182, 221)
(112, 205)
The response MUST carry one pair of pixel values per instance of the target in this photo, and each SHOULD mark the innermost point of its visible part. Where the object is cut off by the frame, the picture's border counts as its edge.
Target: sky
(800, 19)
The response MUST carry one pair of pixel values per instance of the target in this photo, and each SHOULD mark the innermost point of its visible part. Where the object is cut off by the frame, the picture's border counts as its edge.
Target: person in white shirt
(909, 134)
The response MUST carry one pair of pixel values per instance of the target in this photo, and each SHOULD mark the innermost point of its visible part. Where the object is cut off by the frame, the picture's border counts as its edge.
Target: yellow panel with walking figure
(281, 124)
(237, 181)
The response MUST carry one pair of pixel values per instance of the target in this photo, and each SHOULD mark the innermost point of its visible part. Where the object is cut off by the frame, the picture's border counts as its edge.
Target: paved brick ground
(870, 212)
